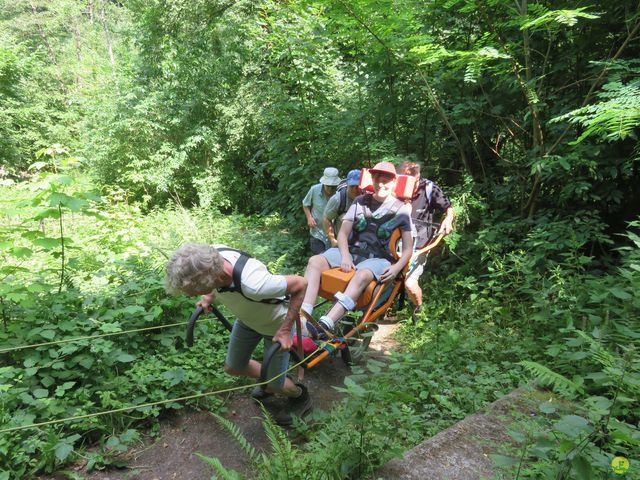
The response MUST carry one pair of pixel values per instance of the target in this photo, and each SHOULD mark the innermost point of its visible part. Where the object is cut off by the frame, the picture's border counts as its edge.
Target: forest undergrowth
(79, 264)
(130, 127)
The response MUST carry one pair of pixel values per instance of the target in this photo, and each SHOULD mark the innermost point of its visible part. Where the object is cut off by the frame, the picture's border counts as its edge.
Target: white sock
(307, 307)
(327, 321)
(347, 302)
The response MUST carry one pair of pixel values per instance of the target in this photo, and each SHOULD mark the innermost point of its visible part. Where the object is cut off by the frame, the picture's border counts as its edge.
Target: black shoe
(259, 393)
(312, 330)
(299, 407)
(391, 314)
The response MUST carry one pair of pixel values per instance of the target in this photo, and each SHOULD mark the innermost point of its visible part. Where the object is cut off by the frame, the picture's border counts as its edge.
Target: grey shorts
(375, 265)
(244, 341)
(416, 268)
(316, 245)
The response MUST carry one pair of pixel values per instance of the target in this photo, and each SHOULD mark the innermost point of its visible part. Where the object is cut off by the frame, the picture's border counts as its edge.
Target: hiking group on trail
(350, 226)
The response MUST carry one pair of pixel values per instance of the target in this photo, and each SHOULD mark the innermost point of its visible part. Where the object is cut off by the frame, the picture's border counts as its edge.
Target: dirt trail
(172, 454)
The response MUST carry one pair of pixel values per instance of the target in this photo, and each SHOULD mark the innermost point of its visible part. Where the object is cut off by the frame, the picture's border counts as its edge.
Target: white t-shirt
(257, 284)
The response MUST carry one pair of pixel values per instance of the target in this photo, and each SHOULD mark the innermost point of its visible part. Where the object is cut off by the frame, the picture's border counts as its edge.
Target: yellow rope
(161, 402)
(89, 337)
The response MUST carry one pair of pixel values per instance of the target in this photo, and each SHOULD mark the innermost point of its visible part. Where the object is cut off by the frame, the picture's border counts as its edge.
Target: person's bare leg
(356, 286)
(252, 369)
(315, 266)
(414, 292)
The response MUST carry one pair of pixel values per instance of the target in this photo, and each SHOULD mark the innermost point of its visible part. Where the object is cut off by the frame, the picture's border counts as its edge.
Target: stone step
(462, 451)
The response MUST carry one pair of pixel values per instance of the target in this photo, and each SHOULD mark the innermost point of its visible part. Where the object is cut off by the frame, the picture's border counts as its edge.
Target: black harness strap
(236, 276)
(237, 271)
(372, 227)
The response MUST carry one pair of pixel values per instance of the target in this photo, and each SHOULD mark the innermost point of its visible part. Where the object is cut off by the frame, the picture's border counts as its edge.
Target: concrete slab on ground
(462, 451)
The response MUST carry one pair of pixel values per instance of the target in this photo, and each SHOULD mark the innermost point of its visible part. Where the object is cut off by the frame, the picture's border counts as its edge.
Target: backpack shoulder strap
(237, 271)
(343, 201)
(397, 205)
(236, 276)
(428, 189)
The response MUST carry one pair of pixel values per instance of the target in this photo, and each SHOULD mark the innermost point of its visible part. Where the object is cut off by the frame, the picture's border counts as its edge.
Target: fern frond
(278, 264)
(238, 436)
(226, 474)
(277, 438)
(615, 117)
(287, 463)
(600, 354)
(547, 376)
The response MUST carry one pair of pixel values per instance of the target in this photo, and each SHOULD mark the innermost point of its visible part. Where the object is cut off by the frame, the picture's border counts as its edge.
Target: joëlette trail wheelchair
(354, 331)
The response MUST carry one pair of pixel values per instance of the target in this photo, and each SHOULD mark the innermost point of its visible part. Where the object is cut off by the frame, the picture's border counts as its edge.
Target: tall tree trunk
(528, 92)
(91, 11)
(75, 27)
(425, 130)
(392, 100)
(537, 135)
(107, 36)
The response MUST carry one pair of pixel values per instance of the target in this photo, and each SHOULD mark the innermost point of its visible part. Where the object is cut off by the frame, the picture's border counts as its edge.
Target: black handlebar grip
(221, 317)
(191, 325)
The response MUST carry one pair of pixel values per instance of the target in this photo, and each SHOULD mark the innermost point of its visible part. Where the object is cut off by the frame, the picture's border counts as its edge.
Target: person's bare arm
(343, 244)
(311, 222)
(328, 228)
(407, 249)
(446, 226)
(296, 288)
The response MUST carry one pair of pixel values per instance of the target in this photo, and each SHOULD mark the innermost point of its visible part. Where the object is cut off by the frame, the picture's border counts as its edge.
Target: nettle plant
(54, 194)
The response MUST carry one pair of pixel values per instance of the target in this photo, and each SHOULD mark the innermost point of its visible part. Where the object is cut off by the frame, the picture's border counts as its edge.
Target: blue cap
(353, 178)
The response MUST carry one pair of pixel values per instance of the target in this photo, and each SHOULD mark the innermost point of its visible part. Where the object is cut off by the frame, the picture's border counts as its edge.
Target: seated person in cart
(363, 246)
(257, 298)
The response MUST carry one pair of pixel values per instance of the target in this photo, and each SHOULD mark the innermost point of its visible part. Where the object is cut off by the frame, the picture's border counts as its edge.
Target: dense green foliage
(527, 113)
(112, 283)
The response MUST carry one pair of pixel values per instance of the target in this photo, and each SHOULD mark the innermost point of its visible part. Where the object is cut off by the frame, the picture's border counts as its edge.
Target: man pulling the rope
(258, 300)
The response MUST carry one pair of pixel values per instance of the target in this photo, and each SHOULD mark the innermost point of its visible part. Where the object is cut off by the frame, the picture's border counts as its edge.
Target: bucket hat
(330, 177)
